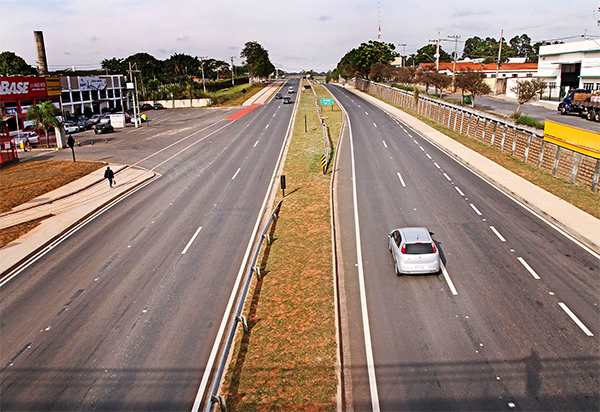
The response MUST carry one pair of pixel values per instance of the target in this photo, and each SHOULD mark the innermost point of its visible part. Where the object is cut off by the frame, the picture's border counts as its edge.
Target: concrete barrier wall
(177, 104)
(524, 143)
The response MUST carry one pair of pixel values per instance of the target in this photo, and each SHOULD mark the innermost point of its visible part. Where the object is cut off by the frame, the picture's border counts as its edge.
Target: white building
(96, 92)
(569, 65)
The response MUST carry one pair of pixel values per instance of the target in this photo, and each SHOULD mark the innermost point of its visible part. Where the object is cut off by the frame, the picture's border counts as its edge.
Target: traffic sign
(326, 102)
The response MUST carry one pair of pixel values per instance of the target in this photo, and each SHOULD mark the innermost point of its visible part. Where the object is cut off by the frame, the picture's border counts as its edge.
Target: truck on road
(583, 102)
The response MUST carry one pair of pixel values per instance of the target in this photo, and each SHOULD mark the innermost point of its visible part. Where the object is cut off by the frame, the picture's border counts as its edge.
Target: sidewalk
(579, 223)
(65, 207)
(265, 94)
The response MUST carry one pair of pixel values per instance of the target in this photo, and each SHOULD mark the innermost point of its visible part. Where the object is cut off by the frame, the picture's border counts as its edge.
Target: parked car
(146, 106)
(105, 118)
(86, 124)
(278, 95)
(287, 100)
(101, 128)
(413, 251)
(26, 136)
(95, 118)
(291, 90)
(71, 127)
(158, 106)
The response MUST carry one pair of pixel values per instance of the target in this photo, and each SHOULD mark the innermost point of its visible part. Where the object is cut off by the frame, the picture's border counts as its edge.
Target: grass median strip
(287, 360)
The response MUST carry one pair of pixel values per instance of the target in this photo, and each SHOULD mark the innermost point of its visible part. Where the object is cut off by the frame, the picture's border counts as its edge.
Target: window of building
(76, 97)
(110, 93)
(515, 75)
(588, 86)
(85, 96)
(529, 75)
(66, 97)
(103, 94)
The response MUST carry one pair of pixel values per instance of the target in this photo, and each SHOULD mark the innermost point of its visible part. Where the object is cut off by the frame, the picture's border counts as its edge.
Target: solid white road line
(255, 144)
(428, 156)
(535, 275)
(374, 125)
(447, 177)
(384, 143)
(497, 234)
(459, 191)
(362, 287)
(575, 319)
(191, 241)
(437, 165)
(448, 280)
(235, 175)
(401, 180)
(475, 209)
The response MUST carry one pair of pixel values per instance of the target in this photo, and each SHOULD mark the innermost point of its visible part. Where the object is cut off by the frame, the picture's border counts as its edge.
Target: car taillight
(433, 245)
(403, 250)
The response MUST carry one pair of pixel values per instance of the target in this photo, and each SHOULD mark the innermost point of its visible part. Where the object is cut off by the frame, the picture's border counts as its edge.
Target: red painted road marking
(243, 112)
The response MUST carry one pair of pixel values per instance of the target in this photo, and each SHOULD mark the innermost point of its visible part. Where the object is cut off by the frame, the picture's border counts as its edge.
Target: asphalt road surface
(493, 331)
(123, 314)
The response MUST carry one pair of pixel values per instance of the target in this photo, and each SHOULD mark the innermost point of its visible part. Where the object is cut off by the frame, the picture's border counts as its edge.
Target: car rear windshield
(418, 248)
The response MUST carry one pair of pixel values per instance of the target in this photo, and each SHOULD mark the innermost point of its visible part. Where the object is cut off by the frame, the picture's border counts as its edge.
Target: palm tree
(45, 116)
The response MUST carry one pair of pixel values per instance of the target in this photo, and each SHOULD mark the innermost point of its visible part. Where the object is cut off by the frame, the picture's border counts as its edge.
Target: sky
(298, 34)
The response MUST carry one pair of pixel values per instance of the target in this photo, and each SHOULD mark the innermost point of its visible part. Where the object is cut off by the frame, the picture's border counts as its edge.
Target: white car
(71, 128)
(414, 251)
(290, 90)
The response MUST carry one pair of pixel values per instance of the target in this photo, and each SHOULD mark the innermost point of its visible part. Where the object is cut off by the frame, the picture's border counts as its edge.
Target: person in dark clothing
(109, 174)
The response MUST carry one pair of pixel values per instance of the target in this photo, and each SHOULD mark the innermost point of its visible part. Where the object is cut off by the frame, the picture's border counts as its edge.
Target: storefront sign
(53, 86)
(21, 87)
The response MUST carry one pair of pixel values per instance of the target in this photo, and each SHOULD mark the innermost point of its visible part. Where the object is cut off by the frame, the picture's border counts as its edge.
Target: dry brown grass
(287, 359)
(21, 182)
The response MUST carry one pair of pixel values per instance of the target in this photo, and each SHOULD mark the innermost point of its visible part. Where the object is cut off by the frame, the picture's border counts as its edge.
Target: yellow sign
(53, 86)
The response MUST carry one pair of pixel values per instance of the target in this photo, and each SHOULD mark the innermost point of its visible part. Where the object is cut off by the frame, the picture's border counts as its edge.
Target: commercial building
(569, 65)
(97, 93)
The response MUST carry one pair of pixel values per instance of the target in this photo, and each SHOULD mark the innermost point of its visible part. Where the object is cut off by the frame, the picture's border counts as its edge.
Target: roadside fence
(326, 158)
(239, 318)
(523, 142)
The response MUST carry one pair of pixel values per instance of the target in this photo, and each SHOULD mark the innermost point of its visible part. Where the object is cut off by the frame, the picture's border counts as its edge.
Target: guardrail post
(267, 238)
(242, 320)
(221, 401)
(256, 270)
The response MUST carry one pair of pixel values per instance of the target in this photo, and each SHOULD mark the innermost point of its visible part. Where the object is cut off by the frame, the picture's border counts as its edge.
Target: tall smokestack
(41, 52)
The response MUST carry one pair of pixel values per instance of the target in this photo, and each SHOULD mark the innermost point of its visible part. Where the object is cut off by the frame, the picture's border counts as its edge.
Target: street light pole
(232, 70)
(202, 67)
(455, 37)
(498, 65)
(403, 53)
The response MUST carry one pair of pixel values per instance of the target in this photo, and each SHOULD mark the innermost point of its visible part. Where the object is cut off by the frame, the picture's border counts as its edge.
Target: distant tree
(522, 47)
(382, 72)
(426, 54)
(405, 75)
(487, 49)
(426, 78)
(149, 66)
(359, 62)
(440, 81)
(178, 66)
(527, 90)
(44, 116)
(473, 82)
(114, 66)
(257, 60)
(13, 65)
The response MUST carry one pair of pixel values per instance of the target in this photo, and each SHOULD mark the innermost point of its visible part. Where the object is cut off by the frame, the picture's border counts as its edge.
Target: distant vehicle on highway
(414, 251)
(278, 95)
(287, 100)
(102, 128)
(291, 90)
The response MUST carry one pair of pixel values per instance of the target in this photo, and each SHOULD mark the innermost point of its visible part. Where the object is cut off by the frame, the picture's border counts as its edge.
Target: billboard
(91, 83)
(53, 86)
(22, 87)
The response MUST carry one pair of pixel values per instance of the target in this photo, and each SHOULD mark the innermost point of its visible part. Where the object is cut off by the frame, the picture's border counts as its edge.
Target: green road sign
(326, 102)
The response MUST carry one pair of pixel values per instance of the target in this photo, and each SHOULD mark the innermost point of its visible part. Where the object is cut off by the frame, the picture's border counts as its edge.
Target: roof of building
(463, 66)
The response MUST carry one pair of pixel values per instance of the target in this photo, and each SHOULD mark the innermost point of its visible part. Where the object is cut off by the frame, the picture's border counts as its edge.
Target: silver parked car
(414, 251)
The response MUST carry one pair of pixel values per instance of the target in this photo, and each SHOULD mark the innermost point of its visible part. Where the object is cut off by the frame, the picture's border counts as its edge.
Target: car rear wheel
(397, 271)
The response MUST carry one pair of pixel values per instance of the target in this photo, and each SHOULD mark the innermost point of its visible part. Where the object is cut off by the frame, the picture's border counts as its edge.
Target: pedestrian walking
(109, 174)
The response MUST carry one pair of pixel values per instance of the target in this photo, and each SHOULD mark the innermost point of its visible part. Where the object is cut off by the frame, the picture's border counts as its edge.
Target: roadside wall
(179, 103)
(524, 143)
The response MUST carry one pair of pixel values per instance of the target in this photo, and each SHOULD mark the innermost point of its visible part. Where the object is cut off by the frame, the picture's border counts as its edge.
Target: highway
(123, 314)
(511, 324)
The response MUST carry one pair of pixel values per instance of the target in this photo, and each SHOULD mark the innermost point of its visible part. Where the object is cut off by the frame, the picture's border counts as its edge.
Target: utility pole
(135, 103)
(437, 53)
(202, 67)
(232, 70)
(455, 37)
(498, 65)
(403, 53)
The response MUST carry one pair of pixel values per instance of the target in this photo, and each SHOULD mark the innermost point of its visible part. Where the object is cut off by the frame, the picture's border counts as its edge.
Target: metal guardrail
(238, 318)
(327, 156)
